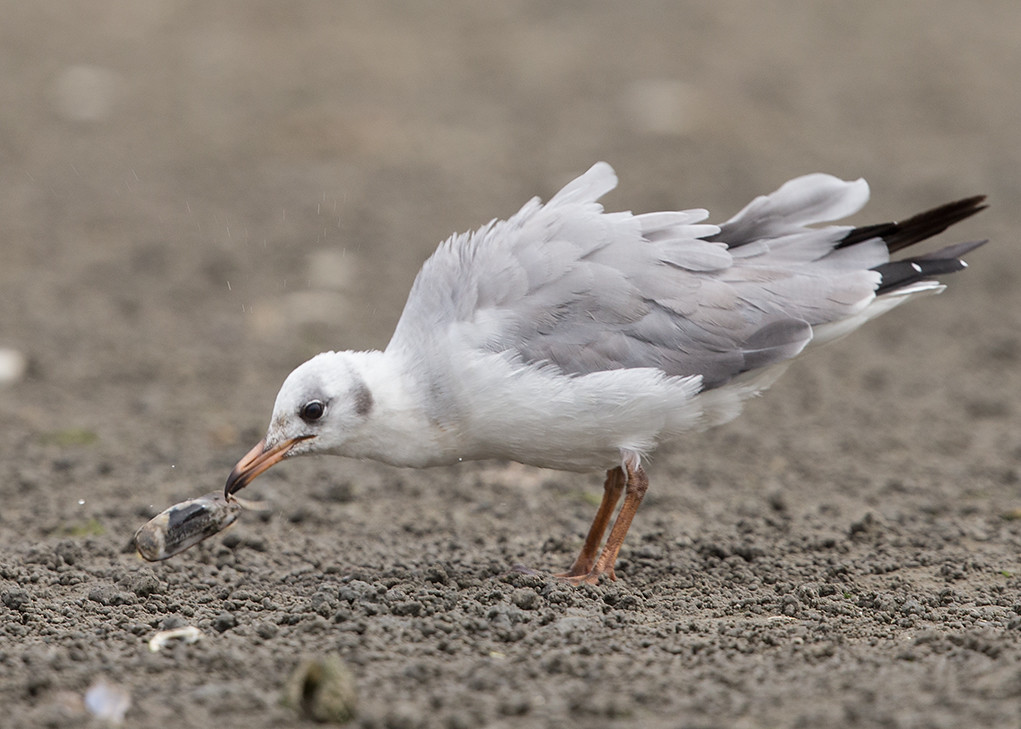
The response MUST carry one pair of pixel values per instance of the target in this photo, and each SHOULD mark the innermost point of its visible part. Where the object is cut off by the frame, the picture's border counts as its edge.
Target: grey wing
(567, 284)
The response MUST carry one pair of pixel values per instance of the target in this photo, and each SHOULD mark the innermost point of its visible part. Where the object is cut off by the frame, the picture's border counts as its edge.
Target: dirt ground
(194, 197)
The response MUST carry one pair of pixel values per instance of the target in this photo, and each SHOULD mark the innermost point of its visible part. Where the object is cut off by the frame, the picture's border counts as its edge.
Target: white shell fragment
(13, 365)
(186, 524)
(108, 702)
(188, 634)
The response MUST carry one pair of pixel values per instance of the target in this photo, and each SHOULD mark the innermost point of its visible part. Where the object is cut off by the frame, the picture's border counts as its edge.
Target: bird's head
(319, 407)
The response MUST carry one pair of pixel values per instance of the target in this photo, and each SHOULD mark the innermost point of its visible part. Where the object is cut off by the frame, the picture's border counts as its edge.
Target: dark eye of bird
(312, 410)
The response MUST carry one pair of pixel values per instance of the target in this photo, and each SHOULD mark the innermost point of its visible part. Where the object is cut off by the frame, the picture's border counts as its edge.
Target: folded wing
(569, 285)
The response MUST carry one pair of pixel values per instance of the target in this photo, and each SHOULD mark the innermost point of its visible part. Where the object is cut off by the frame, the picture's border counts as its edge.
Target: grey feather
(568, 285)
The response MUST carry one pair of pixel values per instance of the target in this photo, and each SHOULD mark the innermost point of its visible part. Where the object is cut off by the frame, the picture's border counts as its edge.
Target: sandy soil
(195, 197)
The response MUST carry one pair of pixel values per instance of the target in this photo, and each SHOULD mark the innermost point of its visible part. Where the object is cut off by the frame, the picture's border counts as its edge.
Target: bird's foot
(589, 576)
(586, 576)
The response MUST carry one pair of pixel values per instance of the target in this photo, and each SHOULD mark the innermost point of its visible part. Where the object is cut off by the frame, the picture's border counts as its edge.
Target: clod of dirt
(322, 689)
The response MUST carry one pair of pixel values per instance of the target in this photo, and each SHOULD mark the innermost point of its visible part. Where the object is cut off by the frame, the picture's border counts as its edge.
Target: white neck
(398, 430)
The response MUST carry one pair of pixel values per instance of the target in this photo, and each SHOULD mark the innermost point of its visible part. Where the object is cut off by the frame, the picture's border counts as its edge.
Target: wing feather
(568, 285)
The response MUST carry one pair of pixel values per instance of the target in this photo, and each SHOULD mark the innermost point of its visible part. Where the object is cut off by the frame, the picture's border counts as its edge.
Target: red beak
(256, 461)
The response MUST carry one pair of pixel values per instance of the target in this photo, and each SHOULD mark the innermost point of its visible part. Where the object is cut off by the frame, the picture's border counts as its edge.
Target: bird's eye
(312, 410)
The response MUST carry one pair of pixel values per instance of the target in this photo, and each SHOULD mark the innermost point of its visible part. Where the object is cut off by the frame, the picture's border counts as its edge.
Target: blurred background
(195, 197)
(193, 191)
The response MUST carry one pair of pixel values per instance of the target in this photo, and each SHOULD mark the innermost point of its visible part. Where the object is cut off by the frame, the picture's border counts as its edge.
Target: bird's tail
(906, 273)
(898, 236)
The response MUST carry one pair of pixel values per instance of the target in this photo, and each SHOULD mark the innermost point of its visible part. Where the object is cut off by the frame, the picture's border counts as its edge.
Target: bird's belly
(561, 456)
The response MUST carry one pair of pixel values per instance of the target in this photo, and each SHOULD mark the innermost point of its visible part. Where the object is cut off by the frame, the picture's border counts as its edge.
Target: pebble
(16, 598)
(526, 599)
(224, 622)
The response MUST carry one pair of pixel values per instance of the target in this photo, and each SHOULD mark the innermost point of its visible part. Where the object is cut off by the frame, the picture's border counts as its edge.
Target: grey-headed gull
(574, 339)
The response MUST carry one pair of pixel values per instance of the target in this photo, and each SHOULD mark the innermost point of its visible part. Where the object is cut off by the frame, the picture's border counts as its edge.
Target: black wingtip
(898, 236)
(898, 274)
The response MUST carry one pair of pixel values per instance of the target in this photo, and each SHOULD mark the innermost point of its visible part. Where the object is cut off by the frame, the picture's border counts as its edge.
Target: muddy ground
(195, 197)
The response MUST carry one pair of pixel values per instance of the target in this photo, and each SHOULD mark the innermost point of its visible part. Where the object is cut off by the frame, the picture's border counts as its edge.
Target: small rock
(173, 622)
(407, 607)
(144, 584)
(266, 631)
(526, 599)
(103, 594)
(68, 551)
(231, 540)
(436, 573)
(340, 493)
(257, 544)
(16, 598)
(224, 622)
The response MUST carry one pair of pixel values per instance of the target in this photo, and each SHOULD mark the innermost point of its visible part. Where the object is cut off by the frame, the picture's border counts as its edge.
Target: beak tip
(255, 462)
(235, 482)
(244, 471)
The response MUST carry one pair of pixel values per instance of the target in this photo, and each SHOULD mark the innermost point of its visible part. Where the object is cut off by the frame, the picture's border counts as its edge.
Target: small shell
(108, 702)
(322, 689)
(185, 524)
(188, 634)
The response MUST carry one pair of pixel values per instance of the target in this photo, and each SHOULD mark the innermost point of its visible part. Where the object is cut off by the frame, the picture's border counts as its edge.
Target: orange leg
(634, 492)
(612, 489)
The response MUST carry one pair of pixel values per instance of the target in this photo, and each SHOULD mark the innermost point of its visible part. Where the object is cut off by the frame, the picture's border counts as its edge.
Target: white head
(321, 406)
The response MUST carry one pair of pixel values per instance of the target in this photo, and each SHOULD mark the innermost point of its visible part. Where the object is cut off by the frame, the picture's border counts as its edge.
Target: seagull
(570, 338)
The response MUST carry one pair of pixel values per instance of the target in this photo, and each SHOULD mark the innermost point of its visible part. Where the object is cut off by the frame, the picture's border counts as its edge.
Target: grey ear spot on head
(363, 400)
